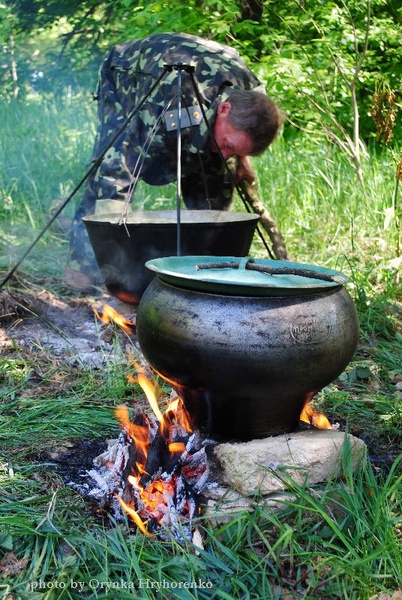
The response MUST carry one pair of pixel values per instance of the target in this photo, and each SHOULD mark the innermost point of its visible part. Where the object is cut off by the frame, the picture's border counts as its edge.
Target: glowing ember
(110, 315)
(177, 447)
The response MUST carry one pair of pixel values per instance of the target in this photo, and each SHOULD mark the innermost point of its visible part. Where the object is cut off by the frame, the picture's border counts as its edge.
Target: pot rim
(169, 217)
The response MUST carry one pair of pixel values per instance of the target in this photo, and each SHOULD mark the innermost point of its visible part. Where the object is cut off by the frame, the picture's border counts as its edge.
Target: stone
(310, 457)
(231, 504)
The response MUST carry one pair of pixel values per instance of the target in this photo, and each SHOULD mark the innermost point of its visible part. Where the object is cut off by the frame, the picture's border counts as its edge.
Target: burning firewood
(155, 472)
(107, 314)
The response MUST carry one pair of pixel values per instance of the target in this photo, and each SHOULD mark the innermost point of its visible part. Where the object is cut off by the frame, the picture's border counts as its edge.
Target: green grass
(45, 147)
(342, 540)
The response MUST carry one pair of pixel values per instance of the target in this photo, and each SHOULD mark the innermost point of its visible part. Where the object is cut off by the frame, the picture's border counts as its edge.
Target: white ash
(191, 475)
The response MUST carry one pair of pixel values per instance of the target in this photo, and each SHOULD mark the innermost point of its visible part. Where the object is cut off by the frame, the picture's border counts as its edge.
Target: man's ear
(224, 109)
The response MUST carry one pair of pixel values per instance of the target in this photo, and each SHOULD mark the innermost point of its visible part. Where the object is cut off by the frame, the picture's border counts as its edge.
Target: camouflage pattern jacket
(126, 78)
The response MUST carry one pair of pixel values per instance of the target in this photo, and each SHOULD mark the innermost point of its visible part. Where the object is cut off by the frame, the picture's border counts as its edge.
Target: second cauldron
(246, 342)
(123, 245)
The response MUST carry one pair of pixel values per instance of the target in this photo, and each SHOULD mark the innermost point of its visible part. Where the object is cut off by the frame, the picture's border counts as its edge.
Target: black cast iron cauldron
(245, 349)
(123, 247)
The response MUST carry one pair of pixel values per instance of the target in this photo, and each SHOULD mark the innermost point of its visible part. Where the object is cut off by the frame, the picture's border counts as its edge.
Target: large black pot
(123, 247)
(246, 361)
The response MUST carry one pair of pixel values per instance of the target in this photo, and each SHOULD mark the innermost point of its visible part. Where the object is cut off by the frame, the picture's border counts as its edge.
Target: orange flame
(138, 433)
(315, 418)
(176, 411)
(153, 496)
(149, 388)
(135, 516)
(110, 315)
(150, 392)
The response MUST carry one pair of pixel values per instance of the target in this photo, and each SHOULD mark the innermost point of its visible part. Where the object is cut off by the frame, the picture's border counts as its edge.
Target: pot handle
(248, 263)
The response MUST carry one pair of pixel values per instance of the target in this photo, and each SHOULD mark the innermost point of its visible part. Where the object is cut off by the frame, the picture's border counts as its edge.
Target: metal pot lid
(245, 276)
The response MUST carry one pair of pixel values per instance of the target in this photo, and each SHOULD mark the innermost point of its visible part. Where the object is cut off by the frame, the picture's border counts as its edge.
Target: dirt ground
(65, 326)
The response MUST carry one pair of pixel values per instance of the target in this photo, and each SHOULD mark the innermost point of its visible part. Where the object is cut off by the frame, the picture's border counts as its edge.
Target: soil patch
(65, 327)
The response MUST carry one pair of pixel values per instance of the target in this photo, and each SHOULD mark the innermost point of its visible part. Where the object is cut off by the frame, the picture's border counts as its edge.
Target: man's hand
(244, 170)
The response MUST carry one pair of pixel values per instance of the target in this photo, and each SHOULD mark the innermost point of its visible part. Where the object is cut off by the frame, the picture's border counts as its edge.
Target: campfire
(156, 469)
(154, 472)
(165, 465)
(157, 472)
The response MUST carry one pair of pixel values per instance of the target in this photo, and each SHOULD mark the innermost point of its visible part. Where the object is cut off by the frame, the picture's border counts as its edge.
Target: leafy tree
(63, 41)
(9, 77)
(323, 61)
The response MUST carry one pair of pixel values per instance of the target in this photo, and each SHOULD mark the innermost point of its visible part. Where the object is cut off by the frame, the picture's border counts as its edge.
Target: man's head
(246, 123)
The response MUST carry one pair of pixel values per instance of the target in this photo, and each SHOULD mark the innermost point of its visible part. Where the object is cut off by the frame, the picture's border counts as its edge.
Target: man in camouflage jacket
(147, 146)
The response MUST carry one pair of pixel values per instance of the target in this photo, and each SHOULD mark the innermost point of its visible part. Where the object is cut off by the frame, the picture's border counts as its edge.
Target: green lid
(245, 276)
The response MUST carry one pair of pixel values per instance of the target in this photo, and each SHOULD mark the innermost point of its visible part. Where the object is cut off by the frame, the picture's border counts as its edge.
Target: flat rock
(310, 457)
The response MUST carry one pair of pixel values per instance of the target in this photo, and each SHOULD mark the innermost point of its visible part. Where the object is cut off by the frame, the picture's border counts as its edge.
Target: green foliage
(6, 21)
(310, 55)
(314, 52)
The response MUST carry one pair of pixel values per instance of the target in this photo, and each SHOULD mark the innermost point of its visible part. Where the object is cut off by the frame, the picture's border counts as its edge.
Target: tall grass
(44, 148)
(315, 197)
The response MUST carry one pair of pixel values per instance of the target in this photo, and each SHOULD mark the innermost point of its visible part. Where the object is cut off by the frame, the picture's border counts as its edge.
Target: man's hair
(255, 114)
